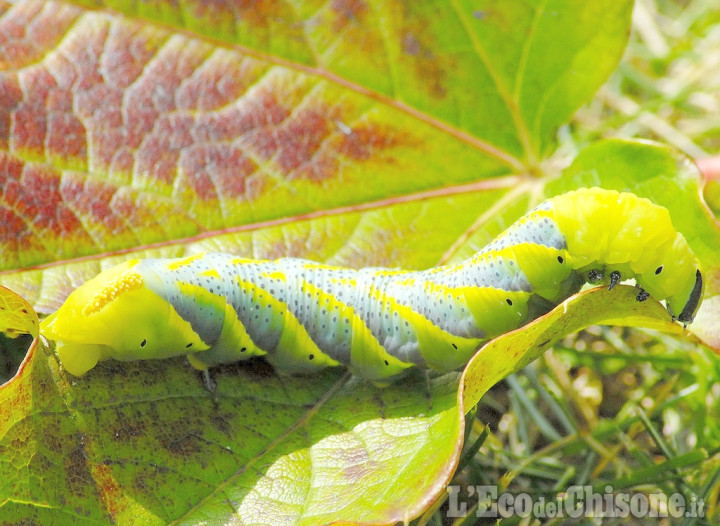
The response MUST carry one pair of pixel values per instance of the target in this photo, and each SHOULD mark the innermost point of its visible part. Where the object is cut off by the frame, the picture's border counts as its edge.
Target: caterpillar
(303, 316)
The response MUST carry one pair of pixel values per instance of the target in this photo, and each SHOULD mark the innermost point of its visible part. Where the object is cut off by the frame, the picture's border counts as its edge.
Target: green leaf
(394, 133)
(145, 442)
(513, 351)
(124, 120)
(18, 316)
(296, 448)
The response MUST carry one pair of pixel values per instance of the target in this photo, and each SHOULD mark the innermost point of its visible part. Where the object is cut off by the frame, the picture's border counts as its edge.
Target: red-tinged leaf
(16, 315)
(357, 133)
(112, 122)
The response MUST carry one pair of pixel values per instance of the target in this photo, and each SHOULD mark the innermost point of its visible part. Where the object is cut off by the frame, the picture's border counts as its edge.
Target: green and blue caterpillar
(304, 316)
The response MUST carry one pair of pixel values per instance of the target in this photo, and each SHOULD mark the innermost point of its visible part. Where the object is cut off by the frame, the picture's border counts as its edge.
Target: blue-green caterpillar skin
(304, 316)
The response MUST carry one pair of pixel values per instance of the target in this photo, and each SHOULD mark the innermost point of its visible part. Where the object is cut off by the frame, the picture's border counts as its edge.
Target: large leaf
(145, 443)
(395, 133)
(118, 134)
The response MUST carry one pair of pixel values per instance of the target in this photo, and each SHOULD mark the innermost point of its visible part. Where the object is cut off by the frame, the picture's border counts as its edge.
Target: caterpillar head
(673, 274)
(114, 315)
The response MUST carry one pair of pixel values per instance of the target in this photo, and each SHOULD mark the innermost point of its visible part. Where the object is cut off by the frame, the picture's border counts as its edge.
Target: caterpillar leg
(614, 279)
(595, 276)
(208, 382)
(79, 358)
(642, 295)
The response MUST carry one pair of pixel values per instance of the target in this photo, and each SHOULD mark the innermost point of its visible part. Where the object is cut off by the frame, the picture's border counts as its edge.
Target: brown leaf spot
(154, 94)
(307, 144)
(212, 10)
(92, 199)
(111, 491)
(295, 141)
(29, 129)
(66, 137)
(368, 139)
(222, 422)
(161, 149)
(288, 246)
(180, 444)
(357, 462)
(127, 430)
(101, 104)
(262, 110)
(78, 477)
(348, 11)
(222, 79)
(10, 98)
(359, 472)
(148, 481)
(14, 236)
(30, 30)
(418, 44)
(216, 171)
(42, 202)
(54, 443)
(127, 50)
(11, 170)
(257, 13)
(32, 210)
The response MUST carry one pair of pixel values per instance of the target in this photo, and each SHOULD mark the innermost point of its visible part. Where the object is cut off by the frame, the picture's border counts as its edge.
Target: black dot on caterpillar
(509, 301)
(614, 279)
(143, 343)
(658, 270)
(560, 259)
